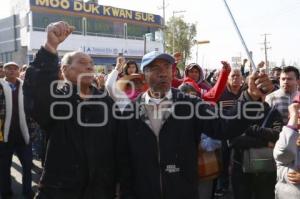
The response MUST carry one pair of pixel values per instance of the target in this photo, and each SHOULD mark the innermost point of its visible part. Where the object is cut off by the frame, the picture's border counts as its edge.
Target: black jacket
(167, 167)
(80, 159)
(256, 136)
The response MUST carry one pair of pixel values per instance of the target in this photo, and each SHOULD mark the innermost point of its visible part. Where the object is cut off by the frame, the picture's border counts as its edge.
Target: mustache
(163, 81)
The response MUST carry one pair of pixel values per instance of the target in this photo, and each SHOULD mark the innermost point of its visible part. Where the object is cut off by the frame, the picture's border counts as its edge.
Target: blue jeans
(24, 153)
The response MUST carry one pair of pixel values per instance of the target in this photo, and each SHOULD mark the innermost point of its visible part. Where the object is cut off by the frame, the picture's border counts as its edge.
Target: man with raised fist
(80, 157)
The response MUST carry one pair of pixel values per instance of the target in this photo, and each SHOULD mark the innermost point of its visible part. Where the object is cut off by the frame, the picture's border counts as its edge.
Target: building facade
(102, 31)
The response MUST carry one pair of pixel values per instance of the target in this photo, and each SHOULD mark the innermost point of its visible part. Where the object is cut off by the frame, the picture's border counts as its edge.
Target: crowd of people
(146, 131)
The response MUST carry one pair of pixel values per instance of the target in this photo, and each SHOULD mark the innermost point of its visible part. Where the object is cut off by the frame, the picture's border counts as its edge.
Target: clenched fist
(56, 33)
(226, 66)
(259, 85)
(121, 61)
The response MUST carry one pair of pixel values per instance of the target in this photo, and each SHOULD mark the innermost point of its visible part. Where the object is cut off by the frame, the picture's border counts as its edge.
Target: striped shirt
(282, 100)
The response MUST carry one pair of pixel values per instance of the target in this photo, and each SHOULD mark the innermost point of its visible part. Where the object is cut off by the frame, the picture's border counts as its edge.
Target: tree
(184, 35)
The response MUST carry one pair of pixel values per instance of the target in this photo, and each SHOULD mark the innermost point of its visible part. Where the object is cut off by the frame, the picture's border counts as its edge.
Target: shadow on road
(16, 177)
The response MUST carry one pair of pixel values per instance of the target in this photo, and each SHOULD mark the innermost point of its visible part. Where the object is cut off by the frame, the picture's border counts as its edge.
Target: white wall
(96, 45)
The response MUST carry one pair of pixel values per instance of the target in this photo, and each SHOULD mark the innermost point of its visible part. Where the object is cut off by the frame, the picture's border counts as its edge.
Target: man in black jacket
(265, 133)
(158, 145)
(15, 128)
(80, 157)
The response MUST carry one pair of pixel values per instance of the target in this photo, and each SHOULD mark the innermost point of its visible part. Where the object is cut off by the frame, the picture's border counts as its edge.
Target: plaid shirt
(282, 100)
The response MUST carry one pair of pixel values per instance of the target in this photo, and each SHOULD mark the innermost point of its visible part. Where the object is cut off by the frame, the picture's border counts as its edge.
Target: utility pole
(251, 66)
(266, 48)
(164, 23)
(145, 44)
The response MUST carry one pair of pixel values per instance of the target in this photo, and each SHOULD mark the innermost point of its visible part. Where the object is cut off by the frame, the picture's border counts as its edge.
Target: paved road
(16, 172)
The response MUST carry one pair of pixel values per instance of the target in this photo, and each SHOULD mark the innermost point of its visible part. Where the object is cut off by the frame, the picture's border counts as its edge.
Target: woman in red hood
(194, 75)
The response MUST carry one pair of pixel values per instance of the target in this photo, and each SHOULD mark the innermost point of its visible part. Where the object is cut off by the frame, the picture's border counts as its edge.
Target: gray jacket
(287, 157)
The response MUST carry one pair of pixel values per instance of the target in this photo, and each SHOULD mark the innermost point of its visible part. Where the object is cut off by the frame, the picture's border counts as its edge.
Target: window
(92, 26)
(99, 26)
(41, 20)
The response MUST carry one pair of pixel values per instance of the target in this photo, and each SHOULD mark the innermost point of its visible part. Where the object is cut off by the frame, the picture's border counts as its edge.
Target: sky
(279, 18)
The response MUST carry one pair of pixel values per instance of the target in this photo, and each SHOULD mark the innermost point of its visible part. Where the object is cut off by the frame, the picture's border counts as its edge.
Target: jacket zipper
(160, 175)
(158, 155)
(158, 160)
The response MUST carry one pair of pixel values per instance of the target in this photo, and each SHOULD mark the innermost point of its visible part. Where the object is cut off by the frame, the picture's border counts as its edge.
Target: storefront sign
(111, 51)
(78, 6)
